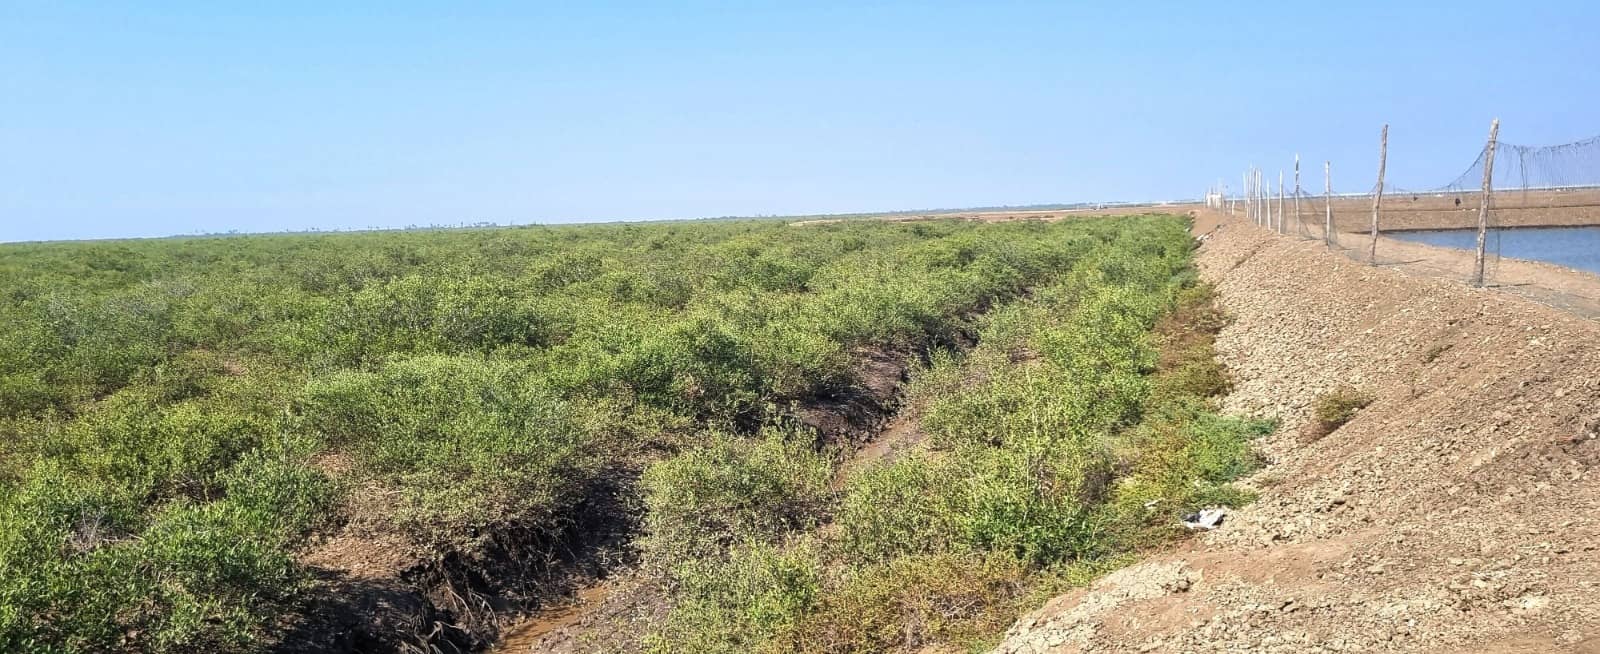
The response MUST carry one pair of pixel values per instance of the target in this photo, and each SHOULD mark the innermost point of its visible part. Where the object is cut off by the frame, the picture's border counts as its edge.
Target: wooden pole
(1266, 207)
(1377, 197)
(1300, 223)
(1244, 193)
(1280, 202)
(1327, 202)
(1255, 201)
(1483, 201)
(1261, 199)
(1255, 204)
(1266, 200)
(1250, 195)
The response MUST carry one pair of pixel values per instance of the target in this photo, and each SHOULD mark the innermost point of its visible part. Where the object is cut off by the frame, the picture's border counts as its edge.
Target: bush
(730, 491)
(909, 506)
(1336, 407)
(739, 604)
(483, 379)
(914, 601)
(87, 571)
(469, 442)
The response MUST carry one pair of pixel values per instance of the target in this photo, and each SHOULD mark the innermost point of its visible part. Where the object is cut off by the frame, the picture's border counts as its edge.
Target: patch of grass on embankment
(1075, 433)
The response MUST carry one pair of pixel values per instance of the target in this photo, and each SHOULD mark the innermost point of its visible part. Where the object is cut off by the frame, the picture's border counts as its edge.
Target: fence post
(1244, 190)
(1255, 202)
(1299, 223)
(1281, 229)
(1483, 201)
(1255, 191)
(1250, 195)
(1327, 202)
(1266, 198)
(1244, 195)
(1377, 198)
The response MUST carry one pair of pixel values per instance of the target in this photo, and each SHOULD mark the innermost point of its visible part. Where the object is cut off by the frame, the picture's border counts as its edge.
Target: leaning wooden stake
(1327, 202)
(1483, 201)
(1377, 197)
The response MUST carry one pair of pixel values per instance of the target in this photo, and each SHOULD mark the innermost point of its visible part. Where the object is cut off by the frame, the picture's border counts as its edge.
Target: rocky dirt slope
(1459, 512)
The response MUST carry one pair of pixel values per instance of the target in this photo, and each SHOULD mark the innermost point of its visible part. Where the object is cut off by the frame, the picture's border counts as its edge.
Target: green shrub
(731, 490)
(912, 505)
(160, 399)
(87, 571)
(911, 602)
(739, 604)
(471, 443)
(1338, 406)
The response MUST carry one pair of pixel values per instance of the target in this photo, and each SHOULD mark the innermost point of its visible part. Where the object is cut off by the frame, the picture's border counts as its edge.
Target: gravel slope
(1459, 512)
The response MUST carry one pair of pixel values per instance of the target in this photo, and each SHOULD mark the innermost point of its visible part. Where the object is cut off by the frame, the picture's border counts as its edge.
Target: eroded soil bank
(596, 611)
(1460, 511)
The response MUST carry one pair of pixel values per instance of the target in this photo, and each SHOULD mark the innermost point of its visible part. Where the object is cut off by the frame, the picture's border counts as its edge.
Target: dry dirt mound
(1460, 511)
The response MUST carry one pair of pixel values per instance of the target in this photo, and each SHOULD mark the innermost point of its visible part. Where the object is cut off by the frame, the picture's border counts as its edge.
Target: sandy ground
(1002, 216)
(1557, 286)
(1401, 211)
(1460, 512)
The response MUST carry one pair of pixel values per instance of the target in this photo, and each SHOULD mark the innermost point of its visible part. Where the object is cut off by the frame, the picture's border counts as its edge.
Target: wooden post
(1244, 193)
(1483, 201)
(1377, 197)
(1327, 202)
(1261, 198)
(1266, 197)
(1266, 204)
(1300, 223)
(1250, 195)
(1255, 203)
(1280, 202)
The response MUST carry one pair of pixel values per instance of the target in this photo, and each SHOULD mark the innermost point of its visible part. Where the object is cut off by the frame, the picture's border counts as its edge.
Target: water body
(1573, 247)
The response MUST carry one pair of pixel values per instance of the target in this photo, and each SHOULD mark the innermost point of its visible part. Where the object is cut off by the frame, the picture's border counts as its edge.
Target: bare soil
(1459, 512)
(1403, 211)
(378, 590)
(1032, 214)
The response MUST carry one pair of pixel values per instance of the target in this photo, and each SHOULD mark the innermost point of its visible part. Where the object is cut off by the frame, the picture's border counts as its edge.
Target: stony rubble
(1460, 511)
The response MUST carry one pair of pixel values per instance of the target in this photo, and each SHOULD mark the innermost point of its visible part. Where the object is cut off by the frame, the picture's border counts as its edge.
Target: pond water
(1573, 247)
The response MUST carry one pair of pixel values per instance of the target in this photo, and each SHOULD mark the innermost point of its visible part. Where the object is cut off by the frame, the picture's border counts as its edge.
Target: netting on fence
(1554, 186)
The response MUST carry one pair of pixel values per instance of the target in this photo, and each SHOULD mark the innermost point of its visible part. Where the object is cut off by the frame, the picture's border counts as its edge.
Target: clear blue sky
(156, 118)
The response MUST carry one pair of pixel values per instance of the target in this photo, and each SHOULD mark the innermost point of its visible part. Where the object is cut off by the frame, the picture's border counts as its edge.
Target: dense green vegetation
(178, 417)
(1077, 431)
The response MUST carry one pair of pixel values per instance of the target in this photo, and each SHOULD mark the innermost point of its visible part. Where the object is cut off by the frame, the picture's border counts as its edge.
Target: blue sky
(158, 118)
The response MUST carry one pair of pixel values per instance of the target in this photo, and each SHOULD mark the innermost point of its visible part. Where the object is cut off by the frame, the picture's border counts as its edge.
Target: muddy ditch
(531, 590)
(858, 416)
(374, 593)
